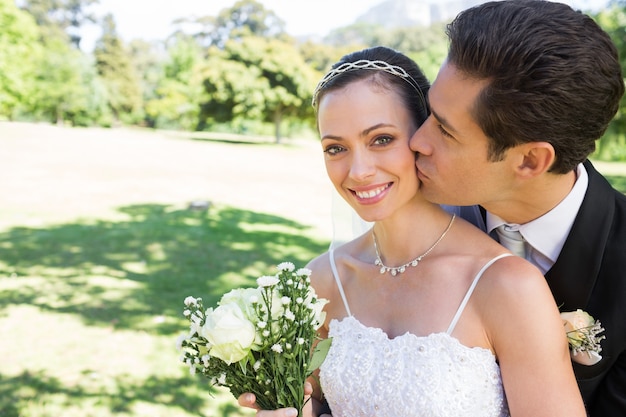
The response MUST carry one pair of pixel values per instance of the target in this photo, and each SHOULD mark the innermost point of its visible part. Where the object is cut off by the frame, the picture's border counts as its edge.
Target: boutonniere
(582, 332)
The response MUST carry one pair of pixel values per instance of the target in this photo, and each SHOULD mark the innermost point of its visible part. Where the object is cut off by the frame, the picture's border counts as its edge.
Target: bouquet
(259, 340)
(582, 332)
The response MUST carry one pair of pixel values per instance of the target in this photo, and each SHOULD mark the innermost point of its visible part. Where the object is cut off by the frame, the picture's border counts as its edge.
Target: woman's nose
(363, 165)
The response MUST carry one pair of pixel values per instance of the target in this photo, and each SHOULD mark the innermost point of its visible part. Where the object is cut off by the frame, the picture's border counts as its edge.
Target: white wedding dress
(367, 374)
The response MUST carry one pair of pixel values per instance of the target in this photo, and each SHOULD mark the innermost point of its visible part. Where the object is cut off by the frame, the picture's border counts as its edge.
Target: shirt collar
(547, 234)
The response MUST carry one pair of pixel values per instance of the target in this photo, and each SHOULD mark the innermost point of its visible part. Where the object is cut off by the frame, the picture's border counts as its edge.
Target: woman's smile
(371, 195)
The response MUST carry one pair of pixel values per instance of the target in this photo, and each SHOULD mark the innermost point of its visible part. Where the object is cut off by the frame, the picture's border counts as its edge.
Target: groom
(526, 89)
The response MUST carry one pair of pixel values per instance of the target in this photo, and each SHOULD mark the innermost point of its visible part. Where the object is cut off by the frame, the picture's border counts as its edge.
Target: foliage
(237, 70)
(612, 146)
(57, 17)
(66, 86)
(257, 78)
(118, 74)
(18, 46)
(244, 18)
(178, 88)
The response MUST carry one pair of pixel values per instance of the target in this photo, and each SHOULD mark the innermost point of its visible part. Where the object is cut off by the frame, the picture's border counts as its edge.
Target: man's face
(452, 150)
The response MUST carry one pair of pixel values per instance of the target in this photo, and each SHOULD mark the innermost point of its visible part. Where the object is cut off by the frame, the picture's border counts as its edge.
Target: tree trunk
(277, 122)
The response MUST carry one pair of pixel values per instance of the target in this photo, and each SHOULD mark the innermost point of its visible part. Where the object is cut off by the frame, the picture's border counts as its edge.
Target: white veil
(347, 224)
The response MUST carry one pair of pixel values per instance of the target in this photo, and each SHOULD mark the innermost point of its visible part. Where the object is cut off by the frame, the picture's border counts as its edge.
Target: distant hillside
(402, 13)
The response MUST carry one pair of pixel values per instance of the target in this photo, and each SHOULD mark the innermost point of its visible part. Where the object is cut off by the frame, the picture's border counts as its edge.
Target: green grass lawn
(98, 250)
(92, 289)
(90, 310)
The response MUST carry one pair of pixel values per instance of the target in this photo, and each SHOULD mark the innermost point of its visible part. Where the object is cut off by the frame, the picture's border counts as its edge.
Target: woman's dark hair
(386, 67)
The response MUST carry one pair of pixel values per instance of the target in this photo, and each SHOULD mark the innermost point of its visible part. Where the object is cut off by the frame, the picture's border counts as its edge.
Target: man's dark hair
(553, 76)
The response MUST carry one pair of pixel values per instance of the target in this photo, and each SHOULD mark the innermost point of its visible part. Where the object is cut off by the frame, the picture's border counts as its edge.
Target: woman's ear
(537, 158)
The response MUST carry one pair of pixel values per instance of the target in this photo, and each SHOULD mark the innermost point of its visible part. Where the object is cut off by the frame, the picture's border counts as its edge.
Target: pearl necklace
(400, 269)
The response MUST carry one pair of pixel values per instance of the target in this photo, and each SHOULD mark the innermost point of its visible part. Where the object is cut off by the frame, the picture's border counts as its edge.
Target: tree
(245, 18)
(66, 86)
(179, 88)
(19, 48)
(257, 78)
(613, 143)
(118, 74)
(57, 17)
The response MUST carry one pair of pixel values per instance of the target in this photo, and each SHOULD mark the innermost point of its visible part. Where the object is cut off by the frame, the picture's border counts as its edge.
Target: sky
(151, 19)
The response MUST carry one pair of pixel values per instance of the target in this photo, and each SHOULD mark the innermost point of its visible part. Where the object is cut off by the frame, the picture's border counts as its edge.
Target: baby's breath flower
(179, 341)
(301, 341)
(186, 313)
(303, 272)
(582, 332)
(285, 300)
(222, 379)
(256, 365)
(299, 300)
(289, 315)
(267, 281)
(266, 333)
(261, 325)
(277, 348)
(254, 299)
(286, 266)
(191, 301)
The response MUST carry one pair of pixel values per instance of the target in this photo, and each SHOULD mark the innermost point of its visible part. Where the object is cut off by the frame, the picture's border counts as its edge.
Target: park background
(136, 173)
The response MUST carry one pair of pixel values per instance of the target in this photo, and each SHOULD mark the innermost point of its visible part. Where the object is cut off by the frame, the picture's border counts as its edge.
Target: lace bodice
(370, 375)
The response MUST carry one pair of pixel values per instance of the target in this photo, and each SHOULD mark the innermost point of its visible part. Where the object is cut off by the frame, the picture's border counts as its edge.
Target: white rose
(574, 321)
(229, 332)
(244, 298)
(316, 307)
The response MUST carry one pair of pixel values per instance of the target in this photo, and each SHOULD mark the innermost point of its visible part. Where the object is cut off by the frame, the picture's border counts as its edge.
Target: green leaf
(319, 354)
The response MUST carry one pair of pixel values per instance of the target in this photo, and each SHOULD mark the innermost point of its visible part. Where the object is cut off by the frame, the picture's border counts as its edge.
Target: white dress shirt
(546, 235)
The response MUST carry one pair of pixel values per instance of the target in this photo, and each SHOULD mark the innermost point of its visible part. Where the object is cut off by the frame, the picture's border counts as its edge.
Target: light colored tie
(511, 238)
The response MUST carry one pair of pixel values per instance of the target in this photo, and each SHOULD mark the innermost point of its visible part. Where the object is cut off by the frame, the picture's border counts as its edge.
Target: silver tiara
(371, 65)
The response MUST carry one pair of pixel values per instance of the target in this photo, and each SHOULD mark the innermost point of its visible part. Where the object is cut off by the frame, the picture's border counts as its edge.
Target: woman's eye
(333, 150)
(383, 140)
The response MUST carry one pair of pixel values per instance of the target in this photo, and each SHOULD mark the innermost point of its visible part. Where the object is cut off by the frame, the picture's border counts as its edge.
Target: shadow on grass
(134, 274)
(119, 396)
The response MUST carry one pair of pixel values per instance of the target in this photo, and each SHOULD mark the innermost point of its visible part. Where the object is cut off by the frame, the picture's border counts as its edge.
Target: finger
(248, 400)
(283, 412)
(308, 388)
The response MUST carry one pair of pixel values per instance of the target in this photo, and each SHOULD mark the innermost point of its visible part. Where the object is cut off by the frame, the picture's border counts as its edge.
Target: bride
(428, 315)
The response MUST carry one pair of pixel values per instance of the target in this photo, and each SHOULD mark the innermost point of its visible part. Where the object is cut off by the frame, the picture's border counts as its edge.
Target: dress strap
(471, 290)
(331, 254)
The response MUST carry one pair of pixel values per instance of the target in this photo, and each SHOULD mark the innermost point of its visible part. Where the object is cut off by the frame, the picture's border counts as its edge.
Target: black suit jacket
(590, 274)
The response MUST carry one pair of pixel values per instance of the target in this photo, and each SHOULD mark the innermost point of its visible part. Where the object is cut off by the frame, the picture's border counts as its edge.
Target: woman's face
(365, 131)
